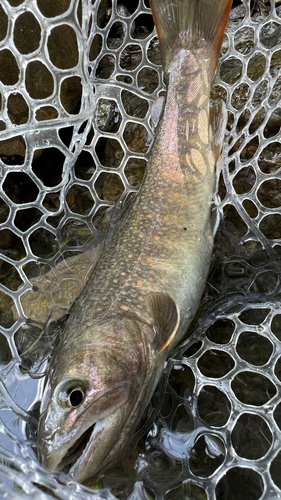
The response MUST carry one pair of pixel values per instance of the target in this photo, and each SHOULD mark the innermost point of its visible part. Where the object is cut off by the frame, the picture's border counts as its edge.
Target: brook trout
(147, 283)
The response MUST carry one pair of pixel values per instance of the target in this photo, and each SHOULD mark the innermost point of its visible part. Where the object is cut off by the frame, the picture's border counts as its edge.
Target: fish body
(147, 283)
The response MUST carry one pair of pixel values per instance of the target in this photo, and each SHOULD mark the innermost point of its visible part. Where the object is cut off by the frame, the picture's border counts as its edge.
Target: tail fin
(184, 23)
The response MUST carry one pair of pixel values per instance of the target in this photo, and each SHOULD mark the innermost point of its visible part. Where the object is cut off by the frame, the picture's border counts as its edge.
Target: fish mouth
(76, 450)
(82, 448)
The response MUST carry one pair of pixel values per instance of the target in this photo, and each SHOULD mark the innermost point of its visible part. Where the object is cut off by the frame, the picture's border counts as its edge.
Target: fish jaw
(102, 444)
(113, 434)
(80, 448)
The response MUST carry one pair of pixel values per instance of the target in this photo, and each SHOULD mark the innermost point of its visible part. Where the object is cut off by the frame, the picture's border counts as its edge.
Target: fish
(146, 285)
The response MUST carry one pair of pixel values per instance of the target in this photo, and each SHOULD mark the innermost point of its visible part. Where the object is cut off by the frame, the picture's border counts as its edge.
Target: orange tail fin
(184, 23)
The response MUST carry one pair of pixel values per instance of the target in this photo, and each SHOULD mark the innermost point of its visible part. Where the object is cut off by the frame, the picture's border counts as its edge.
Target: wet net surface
(77, 82)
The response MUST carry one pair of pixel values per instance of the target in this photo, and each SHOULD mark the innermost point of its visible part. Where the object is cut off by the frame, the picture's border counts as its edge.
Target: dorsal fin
(166, 318)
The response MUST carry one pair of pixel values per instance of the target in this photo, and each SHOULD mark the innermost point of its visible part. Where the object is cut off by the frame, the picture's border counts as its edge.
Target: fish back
(184, 24)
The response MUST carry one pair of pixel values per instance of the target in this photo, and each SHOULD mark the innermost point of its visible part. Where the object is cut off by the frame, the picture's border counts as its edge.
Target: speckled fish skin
(146, 286)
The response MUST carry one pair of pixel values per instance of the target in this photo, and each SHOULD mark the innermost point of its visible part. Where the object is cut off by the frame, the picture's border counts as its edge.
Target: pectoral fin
(54, 292)
(166, 318)
(218, 121)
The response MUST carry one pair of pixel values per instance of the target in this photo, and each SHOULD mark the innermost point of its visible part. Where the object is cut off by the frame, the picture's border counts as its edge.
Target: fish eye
(75, 397)
(70, 393)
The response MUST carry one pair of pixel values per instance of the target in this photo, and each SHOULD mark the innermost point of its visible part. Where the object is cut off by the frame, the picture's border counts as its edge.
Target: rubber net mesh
(77, 82)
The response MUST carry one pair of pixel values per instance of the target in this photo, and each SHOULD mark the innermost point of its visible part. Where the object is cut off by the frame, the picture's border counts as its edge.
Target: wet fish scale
(165, 212)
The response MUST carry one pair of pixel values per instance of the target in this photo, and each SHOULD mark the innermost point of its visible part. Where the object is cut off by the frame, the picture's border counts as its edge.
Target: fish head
(94, 397)
(100, 383)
